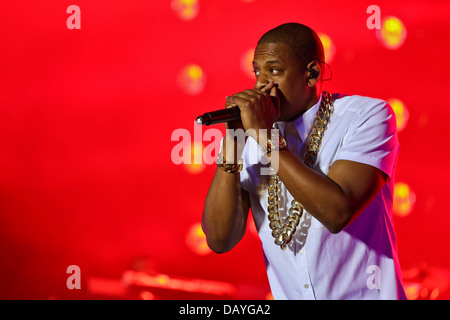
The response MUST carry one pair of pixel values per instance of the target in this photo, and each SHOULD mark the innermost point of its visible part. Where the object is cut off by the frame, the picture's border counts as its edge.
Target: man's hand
(258, 110)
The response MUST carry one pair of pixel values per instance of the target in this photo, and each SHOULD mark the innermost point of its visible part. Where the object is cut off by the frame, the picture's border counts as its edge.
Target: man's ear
(314, 71)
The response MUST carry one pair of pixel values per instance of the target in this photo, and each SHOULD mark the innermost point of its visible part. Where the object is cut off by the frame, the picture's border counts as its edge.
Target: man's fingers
(267, 88)
(240, 100)
(249, 95)
(255, 97)
(275, 97)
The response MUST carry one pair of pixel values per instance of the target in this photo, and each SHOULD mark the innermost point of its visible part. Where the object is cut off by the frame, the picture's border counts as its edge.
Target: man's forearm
(226, 206)
(319, 195)
(224, 217)
(336, 199)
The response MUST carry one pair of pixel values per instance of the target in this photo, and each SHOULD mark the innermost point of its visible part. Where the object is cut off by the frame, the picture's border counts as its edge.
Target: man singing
(324, 211)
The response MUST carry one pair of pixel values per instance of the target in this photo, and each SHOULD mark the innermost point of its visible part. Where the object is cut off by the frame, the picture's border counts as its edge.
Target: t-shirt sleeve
(372, 138)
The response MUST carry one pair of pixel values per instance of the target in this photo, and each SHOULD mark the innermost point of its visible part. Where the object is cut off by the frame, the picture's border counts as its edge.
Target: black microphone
(224, 115)
(219, 116)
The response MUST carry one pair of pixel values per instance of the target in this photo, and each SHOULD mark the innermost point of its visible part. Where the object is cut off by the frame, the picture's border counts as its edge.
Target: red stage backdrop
(92, 203)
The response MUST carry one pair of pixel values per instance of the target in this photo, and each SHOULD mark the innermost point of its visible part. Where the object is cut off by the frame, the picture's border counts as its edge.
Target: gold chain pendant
(284, 232)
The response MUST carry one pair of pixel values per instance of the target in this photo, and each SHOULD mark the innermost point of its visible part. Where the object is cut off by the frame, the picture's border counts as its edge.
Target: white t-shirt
(361, 261)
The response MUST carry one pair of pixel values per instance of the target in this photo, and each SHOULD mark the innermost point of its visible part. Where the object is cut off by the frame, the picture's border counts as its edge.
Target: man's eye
(274, 71)
(257, 72)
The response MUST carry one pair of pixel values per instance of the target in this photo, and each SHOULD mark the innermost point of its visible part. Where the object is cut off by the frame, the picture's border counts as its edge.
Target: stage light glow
(106, 287)
(434, 294)
(162, 279)
(401, 113)
(185, 9)
(193, 162)
(404, 199)
(247, 62)
(412, 291)
(147, 295)
(196, 240)
(328, 47)
(392, 33)
(142, 279)
(192, 79)
(269, 296)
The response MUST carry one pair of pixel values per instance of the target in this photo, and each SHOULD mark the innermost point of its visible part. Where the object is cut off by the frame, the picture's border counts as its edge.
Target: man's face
(272, 61)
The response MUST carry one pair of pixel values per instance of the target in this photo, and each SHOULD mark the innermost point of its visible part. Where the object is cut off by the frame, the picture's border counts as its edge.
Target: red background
(86, 117)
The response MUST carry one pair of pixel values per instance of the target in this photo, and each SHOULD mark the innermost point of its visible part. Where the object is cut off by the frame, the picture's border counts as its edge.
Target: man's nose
(261, 82)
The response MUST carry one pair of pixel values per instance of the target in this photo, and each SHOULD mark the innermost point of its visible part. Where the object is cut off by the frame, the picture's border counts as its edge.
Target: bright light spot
(162, 279)
(194, 162)
(192, 79)
(401, 113)
(147, 295)
(412, 291)
(434, 294)
(247, 63)
(392, 33)
(185, 9)
(196, 240)
(143, 279)
(328, 47)
(404, 199)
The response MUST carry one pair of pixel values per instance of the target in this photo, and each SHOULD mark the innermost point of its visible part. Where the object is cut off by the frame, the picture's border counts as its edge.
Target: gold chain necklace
(284, 232)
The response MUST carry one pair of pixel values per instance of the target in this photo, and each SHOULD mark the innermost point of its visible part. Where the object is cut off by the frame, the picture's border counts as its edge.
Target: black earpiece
(313, 74)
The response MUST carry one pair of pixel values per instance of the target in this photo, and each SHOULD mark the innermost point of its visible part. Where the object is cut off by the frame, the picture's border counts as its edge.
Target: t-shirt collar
(304, 123)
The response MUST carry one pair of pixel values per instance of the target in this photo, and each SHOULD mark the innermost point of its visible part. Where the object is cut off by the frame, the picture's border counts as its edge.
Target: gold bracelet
(229, 167)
